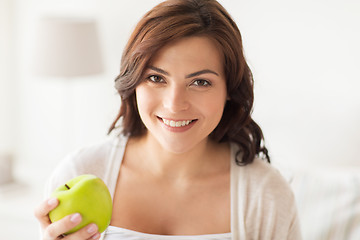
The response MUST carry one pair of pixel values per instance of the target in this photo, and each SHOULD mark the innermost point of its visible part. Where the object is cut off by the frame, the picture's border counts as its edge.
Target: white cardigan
(262, 203)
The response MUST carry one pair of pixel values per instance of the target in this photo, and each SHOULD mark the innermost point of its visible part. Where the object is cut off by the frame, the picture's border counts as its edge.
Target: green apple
(87, 195)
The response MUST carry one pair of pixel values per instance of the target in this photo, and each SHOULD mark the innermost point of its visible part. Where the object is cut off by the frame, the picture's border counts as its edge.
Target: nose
(176, 99)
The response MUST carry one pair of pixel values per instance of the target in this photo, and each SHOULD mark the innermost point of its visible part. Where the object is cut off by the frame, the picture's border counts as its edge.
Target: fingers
(41, 212)
(58, 228)
(90, 232)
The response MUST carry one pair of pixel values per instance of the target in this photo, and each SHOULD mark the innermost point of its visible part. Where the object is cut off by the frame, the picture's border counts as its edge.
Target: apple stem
(67, 186)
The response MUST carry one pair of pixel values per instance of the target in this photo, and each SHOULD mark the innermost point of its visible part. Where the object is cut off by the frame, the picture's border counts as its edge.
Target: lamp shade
(67, 47)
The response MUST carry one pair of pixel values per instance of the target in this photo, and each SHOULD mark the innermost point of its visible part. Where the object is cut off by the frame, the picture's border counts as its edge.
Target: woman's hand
(56, 230)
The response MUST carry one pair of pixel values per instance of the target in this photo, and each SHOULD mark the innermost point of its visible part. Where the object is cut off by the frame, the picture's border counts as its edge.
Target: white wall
(304, 56)
(7, 78)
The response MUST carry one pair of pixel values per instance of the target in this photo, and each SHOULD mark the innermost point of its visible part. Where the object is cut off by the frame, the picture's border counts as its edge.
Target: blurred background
(305, 57)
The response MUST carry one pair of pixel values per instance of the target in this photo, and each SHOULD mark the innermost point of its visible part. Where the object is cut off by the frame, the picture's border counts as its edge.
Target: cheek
(141, 102)
(211, 108)
(146, 100)
(214, 104)
(216, 108)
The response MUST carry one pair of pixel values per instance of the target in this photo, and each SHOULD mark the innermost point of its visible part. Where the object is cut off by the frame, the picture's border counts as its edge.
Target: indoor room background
(304, 55)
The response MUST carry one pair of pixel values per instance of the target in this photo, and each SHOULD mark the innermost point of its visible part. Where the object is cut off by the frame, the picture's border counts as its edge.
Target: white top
(262, 203)
(116, 233)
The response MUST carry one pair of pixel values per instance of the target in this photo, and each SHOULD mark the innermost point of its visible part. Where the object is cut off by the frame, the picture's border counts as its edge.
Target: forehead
(193, 52)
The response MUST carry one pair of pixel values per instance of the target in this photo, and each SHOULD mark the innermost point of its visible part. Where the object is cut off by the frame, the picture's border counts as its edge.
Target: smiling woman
(188, 160)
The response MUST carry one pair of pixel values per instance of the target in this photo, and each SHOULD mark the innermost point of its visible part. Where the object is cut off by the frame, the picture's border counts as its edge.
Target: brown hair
(175, 19)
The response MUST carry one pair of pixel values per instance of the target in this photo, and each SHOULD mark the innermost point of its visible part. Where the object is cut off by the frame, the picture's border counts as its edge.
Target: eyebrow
(204, 71)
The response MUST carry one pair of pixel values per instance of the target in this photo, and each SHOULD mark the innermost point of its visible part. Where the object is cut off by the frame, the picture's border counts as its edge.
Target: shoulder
(260, 176)
(266, 200)
(264, 175)
(264, 183)
(92, 159)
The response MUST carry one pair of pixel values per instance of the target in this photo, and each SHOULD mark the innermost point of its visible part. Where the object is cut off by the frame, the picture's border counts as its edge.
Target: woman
(187, 162)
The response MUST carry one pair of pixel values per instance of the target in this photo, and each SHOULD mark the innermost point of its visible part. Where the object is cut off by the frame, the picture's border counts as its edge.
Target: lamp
(6, 163)
(67, 47)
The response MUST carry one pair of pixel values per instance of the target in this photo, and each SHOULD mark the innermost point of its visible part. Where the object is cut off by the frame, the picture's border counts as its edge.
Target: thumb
(41, 212)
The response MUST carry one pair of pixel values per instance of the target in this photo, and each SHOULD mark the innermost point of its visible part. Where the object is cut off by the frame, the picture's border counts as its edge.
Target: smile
(172, 123)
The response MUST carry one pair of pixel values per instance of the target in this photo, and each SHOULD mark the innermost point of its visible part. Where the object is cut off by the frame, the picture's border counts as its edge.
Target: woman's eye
(155, 79)
(202, 83)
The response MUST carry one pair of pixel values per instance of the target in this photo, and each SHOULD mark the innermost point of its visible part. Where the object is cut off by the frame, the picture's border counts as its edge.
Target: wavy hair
(176, 19)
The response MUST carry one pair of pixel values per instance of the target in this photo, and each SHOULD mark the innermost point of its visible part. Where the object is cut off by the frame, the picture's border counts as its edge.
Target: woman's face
(183, 93)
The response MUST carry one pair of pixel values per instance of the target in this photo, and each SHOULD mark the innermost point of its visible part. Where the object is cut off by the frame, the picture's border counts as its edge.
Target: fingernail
(92, 228)
(75, 218)
(96, 236)
(52, 201)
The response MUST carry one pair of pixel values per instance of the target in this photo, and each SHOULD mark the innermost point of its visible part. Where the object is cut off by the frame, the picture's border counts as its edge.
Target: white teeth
(172, 123)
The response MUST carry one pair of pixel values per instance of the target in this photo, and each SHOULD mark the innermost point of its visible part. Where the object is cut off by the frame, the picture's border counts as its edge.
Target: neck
(159, 162)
